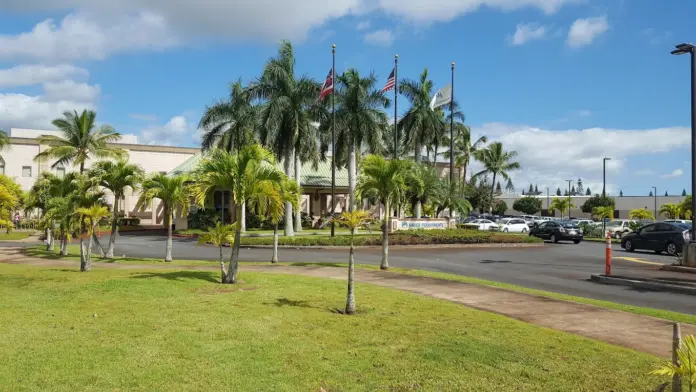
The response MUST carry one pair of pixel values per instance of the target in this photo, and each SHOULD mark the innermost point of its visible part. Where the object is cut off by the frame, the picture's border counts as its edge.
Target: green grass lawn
(14, 235)
(180, 331)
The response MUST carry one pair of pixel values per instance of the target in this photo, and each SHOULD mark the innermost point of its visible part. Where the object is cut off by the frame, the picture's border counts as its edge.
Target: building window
(60, 172)
(26, 171)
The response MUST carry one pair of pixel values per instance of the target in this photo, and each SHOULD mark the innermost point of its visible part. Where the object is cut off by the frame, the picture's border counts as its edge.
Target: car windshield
(569, 225)
(614, 224)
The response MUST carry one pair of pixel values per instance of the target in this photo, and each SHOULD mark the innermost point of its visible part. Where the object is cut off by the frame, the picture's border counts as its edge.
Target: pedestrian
(16, 220)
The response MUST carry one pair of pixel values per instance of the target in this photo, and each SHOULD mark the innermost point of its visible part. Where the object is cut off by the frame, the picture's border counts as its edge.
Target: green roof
(309, 177)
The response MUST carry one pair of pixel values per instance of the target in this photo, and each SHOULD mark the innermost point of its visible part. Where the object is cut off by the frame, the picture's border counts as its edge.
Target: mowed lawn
(155, 330)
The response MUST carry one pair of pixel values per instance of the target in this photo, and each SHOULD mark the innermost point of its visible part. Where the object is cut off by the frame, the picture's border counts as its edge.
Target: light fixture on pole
(690, 49)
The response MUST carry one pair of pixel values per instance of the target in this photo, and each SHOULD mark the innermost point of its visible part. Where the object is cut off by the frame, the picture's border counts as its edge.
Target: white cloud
(584, 31)
(143, 117)
(674, 174)
(549, 157)
(528, 32)
(37, 112)
(380, 37)
(87, 36)
(70, 90)
(26, 75)
(363, 25)
(179, 130)
(96, 28)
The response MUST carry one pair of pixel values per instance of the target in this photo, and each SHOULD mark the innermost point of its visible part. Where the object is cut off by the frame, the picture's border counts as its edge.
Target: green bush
(467, 226)
(411, 237)
(203, 219)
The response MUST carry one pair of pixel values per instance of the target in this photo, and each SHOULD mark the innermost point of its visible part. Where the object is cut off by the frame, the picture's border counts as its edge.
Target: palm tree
(218, 236)
(686, 367)
(117, 177)
(603, 212)
(229, 124)
(384, 180)
(175, 196)
(80, 140)
(91, 216)
(421, 185)
(641, 214)
(420, 122)
(496, 161)
(562, 205)
(360, 120)
(41, 192)
(274, 208)
(286, 126)
(253, 178)
(352, 220)
(4, 142)
(448, 196)
(671, 210)
(464, 149)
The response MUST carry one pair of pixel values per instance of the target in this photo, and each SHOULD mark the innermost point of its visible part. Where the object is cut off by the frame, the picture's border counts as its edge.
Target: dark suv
(555, 231)
(658, 237)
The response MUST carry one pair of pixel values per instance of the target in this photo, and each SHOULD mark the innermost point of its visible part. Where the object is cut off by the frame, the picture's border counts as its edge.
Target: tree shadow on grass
(180, 276)
(281, 302)
(310, 264)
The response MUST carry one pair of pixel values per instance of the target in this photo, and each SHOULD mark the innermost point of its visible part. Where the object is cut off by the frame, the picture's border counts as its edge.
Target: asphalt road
(561, 268)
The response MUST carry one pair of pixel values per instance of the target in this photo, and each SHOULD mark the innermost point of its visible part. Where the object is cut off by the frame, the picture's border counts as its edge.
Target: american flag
(328, 86)
(391, 82)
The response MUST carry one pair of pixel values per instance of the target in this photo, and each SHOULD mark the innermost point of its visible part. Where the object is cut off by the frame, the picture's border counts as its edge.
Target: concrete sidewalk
(643, 333)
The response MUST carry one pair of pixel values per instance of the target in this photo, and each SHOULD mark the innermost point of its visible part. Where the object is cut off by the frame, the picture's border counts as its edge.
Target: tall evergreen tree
(536, 189)
(651, 194)
(588, 192)
(580, 189)
(509, 187)
(572, 190)
(498, 189)
(684, 192)
(531, 189)
(666, 193)
(558, 191)
(620, 193)
(565, 192)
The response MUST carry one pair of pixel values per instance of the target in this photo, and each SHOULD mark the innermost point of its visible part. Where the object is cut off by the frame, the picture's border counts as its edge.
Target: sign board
(419, 224)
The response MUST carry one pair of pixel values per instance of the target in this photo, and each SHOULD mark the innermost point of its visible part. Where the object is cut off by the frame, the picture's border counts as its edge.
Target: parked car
(513, 225)
(619, 227)
(485, 224)
(658, 237)
(555, 231)
(681, 221)
(583, 221)
(541, 219)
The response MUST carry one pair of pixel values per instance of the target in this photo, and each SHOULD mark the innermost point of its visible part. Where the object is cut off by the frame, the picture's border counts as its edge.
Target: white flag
(442, 97)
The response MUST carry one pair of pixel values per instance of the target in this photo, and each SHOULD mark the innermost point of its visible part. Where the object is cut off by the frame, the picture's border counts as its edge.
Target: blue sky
(563, 82)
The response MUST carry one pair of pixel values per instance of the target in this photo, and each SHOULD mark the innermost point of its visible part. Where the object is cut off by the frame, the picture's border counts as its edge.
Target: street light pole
(690, 49)
(604, 176)
(655, 206)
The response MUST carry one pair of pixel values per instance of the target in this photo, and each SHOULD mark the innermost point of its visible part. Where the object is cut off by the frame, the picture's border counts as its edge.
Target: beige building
(24, 146)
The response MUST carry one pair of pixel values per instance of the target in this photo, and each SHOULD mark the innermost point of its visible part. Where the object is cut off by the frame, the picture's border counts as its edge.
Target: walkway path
(638, 332)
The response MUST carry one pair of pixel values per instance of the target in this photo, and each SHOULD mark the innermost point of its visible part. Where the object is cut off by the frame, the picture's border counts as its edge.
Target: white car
(514, 225)
(677, 221)
(541, 219)
(583, 221)
(619, 227)
(484, 224)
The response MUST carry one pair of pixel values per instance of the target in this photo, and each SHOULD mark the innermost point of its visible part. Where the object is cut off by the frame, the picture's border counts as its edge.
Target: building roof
(309, 176)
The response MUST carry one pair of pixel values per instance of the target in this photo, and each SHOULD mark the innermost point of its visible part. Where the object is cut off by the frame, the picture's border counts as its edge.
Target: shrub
(500, 207)
(202, 219)
(128, 221)
(597, 201)
(411, 237)
(467, 226)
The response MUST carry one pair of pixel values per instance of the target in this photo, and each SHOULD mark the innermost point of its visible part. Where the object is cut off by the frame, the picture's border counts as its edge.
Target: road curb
(679, 268)
(429, 246)
(645, 284)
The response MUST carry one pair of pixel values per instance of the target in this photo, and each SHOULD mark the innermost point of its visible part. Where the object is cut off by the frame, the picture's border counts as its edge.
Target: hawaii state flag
(328, 86)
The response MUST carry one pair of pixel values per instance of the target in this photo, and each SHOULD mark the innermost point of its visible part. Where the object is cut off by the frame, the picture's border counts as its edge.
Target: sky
(564, 83)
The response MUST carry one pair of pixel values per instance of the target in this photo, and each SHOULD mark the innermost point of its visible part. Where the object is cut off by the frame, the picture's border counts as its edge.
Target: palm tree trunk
(223, 271)
(49, 239)
(288, 229)
(274, 259)
(102, 253)
(168, 222)
(352, 174)
(417, 152)
(492, 192)
(350, 298)
(234, 257)
(244, 218)
(89, 246)
(114, 229)
(85, 265)
(298, 213)
(385, 239)
(435, 156)
(64, 246)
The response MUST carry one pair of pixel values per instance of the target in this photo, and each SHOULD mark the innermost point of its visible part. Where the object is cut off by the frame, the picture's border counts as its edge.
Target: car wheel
(628, 245)
(671, 249)
(524, 231)
(576, 241)
(554, 239)
(505, 230)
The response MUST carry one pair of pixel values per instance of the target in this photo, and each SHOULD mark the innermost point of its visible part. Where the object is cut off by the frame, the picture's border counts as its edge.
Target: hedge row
(414, 237)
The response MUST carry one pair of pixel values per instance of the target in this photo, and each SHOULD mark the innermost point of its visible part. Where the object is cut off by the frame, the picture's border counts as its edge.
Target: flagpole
(451, 173)
(396, 99)
(333, 139)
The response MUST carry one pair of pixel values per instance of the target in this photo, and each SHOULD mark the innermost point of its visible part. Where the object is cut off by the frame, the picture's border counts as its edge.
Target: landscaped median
(452, 237)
